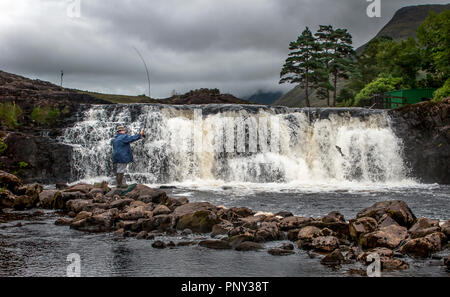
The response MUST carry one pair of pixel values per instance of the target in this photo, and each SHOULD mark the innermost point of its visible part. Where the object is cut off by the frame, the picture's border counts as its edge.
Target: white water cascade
(229, 144)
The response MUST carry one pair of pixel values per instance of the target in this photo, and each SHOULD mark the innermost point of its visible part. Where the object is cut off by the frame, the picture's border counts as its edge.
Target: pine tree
(303, 65)
(326, 36)
(342, 61)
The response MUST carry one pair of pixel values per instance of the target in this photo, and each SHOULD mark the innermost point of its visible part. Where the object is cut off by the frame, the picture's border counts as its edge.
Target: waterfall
(239, 144)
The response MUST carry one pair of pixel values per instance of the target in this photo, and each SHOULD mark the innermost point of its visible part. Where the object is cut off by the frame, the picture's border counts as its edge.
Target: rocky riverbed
(388, 228)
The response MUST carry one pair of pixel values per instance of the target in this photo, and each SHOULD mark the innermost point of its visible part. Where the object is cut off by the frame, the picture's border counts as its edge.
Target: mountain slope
(406, 20)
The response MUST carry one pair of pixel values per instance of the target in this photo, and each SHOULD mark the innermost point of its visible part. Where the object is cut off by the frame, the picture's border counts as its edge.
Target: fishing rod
(146, 69)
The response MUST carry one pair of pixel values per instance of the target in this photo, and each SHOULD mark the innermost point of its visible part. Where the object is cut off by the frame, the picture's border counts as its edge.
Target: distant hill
(403, 25)
(264, 97)
(406, 20)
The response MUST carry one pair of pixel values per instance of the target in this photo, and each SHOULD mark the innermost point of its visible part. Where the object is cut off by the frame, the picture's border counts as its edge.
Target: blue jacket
(121, 148)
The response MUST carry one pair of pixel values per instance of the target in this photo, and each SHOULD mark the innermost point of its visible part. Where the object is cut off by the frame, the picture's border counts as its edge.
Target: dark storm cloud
(237, 46)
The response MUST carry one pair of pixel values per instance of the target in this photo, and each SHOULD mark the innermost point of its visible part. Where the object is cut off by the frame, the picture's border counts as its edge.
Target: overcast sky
(237, 46)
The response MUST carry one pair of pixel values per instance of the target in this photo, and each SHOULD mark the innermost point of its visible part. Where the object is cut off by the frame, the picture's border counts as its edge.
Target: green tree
(443, 92)
(303, 65)
(342, 59)
(401, 59)
(434, 37)
(384, 83)
(326, 37)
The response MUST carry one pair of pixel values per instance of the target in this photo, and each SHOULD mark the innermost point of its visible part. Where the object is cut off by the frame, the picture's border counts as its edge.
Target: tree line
(317, 61)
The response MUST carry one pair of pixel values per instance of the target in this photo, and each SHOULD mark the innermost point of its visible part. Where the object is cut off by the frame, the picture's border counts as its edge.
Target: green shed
(409, 96)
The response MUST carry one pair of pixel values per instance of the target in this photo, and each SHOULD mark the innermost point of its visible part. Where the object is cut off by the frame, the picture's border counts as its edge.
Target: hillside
(406, 20)
(403, 25)
(264, 97)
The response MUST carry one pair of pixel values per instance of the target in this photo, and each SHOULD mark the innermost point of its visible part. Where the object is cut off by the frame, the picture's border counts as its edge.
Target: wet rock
(268, 232)
(171, 244)
(237, 239)
(362, 226)
(248, 246)
(134, 213)
(66, 196)
(186, 232)
(393, 264)
(147, 194)
(447, 262)
(158, 244)
(82, 215)
(250, 222)
(292, 234)
(186, 243)
(390, 237)
(47, 198)
(334, 258)
(10, 182)
(222, 228)
(200, 221)
(308, 233)
(190, 208)
(423, 247)
(172, 203)
(327, 232)
(61, 186)
(6, 198)
(333, 217)
(284, 214)
(293, 222)
(97, 223)
(142, 235)
(183, 200)
(325, 243)
(386, 220)
(424, 227)
(242, 211)
(397, 210)
(121, 203)
(63, 222)
(215, 244)
(83, 188)
(160, 223)
(161, 210)
(25, 202)
(445, 228)
(382, 252)
(280, 252)
(353, 253)
(76, 205)
(287, 246)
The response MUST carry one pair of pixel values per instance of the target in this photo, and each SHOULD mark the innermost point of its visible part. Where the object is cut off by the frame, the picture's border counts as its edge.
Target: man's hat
(120, 128)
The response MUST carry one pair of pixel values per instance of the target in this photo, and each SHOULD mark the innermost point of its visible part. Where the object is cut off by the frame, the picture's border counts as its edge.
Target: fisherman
(122, 154)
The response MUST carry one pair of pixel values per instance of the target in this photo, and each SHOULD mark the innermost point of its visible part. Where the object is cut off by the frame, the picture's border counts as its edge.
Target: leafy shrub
(9, 114)
(443, 92)
(384, 83)
(3, 146)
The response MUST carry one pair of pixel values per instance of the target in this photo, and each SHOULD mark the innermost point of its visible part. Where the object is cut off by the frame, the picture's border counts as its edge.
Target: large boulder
(161, 210)
(147, 194)
(222, 228)
(248, 246)
(445, 228)
(30, 197)
(424, 227)
(294, 222)
(306, 235)
(242, 211)
(333, 259)
(135, 213)
(103, 222)
(268, 231)
(47, 198)
(84, 188)
(7, 198)
(362, 226)
(396, 209)
(200, 221)
(325, 243)
(77, 205)
(425, 246)
(159, 222)
(10, 182)
(390, 237)
(215, 244)
(189, 208)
